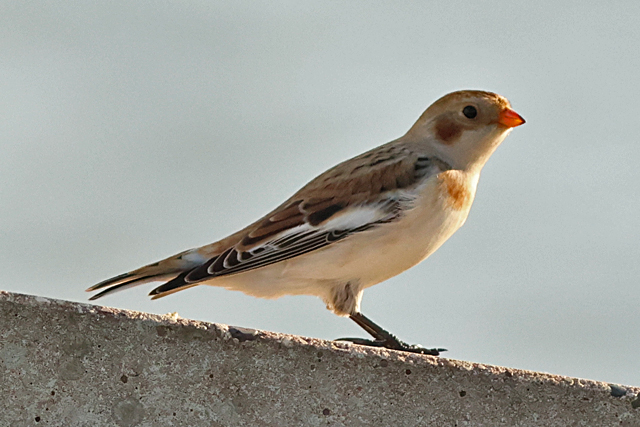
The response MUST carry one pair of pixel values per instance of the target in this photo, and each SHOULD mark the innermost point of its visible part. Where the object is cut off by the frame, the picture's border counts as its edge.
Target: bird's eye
(470, 112)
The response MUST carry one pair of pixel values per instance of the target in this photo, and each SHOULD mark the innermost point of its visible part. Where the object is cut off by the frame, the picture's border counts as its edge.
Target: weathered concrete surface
(68, 364)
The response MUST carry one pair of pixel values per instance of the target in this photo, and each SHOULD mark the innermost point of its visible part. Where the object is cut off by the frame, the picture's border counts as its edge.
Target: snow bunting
(357, 224)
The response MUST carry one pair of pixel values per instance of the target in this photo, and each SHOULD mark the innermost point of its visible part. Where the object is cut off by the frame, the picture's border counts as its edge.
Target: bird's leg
(384, 338)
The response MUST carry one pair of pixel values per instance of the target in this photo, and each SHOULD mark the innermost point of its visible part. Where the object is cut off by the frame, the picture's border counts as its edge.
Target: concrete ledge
(69, 364)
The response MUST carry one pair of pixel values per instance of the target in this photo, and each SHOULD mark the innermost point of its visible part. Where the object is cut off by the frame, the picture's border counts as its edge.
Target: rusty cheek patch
(457, 191)
(447, 131)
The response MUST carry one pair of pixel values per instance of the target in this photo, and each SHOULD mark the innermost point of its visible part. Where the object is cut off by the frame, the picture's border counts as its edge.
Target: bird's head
(465, 127)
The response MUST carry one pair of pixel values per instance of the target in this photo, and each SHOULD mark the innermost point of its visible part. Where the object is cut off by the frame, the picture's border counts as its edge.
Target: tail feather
(172, 269)
(115, 286)
(112, 281)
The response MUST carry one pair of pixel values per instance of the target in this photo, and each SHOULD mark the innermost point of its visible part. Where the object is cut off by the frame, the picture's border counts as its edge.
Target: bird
(359, 223)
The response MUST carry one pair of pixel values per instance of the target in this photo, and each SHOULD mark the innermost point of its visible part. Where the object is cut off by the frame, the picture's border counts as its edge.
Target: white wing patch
(356, 217)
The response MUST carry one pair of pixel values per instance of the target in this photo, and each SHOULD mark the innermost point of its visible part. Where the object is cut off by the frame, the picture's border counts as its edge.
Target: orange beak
(510, 118)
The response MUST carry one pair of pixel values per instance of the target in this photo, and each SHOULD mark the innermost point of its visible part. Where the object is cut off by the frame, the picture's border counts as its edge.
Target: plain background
(130, 131)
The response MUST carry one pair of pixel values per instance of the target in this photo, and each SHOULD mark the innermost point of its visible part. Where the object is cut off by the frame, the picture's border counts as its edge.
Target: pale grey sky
(133, 130)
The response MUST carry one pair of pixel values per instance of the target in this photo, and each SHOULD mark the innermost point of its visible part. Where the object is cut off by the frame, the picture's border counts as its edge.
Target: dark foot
(395, 345)
(385, 339)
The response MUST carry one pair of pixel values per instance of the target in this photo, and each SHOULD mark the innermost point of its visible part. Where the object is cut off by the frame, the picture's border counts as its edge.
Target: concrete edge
(241, 334)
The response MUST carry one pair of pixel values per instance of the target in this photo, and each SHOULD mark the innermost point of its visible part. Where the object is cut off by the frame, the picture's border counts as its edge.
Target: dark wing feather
(233, 262)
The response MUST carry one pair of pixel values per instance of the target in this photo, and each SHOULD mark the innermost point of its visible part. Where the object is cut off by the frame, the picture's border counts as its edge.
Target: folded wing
(353, 197)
